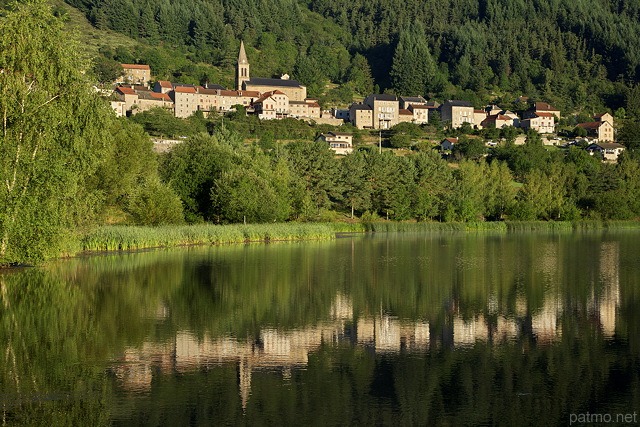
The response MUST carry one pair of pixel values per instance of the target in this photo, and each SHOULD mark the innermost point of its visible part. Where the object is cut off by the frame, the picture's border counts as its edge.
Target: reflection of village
(284, 350)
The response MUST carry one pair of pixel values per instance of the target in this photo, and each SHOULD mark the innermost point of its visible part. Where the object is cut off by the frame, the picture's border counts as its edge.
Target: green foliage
(252, 192)
(154, 203)
(107, 70)
(574, 55)
(579, 132)
(469, 148)
(53, 136)
(162, 122)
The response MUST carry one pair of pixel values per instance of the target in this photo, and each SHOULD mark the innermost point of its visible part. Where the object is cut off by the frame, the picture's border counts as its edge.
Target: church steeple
(242, 69)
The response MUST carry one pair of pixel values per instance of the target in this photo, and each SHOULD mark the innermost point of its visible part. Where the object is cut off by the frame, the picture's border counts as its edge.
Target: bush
(155, 204)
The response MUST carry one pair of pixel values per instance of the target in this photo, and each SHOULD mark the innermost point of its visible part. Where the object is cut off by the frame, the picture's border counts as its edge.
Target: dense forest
(574, 54)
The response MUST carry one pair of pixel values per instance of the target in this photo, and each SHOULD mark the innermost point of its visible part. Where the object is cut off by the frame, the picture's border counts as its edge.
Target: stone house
(604, 117)
(540, 107)
(272, 105)
(149, 100)
(497, 121)
(542, 122)
(340, 142)
(185, 99)
(448, 143)
(609, 150)
(405, 116)
(135, 74)
(361, 116)
(478, 118)
(303, 109)
(385, 110)
(407, 101)
(602, 131)
(420, 113)
(162, 86)
(128, 96)
(455, 113)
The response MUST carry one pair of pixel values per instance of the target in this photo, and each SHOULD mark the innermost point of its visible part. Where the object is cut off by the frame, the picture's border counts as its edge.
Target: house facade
(497, 121)
(420, 113)
(361, 116)
(135, 74)
(540, 122)
(385, 110)
(185, 101)
(602, 131)
(340, 142)
(272, 105)
(609, 150)
(303, 109)
(456, 113)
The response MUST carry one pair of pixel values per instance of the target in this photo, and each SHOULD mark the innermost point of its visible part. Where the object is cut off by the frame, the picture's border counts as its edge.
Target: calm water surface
(387, 329)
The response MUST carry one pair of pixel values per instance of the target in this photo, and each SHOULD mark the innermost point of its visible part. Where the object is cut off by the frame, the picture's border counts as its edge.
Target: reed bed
(384, 227)
(114, 238)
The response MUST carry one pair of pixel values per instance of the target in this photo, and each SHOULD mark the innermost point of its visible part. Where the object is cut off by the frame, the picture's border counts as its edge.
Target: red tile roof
(495, 117)
(544, 107)
(164, 96)
(591, 125)
(136, 66)
(540, 114)
(165, 83)
(204, 91)
(405, 112)
(249, 93)
(228, 93)
(183, 89)
(126, 90)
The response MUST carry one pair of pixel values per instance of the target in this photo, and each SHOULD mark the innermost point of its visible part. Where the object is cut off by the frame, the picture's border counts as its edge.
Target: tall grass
(131, 238)
(112, 238)
(497, 226)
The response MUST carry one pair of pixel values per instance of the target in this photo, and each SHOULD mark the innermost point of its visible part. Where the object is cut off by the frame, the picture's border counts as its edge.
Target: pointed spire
(242, 57)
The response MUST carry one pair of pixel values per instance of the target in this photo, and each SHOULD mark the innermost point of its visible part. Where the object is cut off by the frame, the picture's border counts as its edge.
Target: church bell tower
(242, 70)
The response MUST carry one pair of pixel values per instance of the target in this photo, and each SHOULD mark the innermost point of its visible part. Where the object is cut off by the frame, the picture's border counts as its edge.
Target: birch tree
(52, 137)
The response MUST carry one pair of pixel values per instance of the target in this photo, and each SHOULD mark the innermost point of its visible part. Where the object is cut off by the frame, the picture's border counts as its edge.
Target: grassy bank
(498, 226)
(115, 238)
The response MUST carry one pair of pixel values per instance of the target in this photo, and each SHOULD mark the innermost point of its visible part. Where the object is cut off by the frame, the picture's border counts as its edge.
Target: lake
(381, 329)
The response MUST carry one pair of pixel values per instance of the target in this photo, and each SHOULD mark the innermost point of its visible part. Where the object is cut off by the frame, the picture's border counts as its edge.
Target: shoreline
(124, 238)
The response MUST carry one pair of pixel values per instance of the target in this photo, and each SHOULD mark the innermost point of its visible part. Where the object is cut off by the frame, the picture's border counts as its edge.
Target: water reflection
(284, 350)
(418, 326)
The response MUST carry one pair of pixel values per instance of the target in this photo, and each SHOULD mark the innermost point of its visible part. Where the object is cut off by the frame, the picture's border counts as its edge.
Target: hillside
(91, 37)
(574, 54)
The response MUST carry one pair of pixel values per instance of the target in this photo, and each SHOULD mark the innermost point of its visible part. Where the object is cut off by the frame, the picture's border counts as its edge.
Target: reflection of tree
(453, 321)
(46, 327)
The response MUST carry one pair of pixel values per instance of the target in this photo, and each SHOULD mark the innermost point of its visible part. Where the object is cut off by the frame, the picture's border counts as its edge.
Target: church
(294, 90)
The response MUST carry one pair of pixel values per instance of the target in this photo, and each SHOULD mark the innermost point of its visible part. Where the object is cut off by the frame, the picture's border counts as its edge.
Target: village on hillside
(279, 98)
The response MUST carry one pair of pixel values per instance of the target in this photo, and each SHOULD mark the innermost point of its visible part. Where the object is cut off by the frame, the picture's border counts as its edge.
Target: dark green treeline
(218, 180)
(570, 53)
